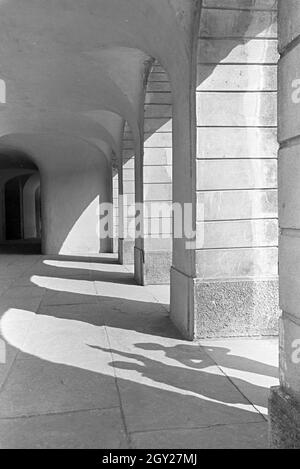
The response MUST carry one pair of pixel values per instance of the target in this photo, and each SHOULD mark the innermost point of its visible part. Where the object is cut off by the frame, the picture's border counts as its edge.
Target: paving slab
(96, 429)
(240, 436)
(36, 387)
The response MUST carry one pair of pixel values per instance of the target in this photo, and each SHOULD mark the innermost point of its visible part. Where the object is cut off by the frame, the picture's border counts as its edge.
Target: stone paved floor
(91, 360)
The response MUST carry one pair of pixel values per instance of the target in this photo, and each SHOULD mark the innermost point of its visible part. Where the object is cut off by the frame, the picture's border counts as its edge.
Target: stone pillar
(127, 199)
(109, 241)
(284, 404)
(115, 175)
(29, 206)
(156, 258)
(236, 284)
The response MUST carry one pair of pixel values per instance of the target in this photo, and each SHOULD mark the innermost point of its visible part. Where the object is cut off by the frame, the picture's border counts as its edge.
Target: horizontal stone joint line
(214, 220)
(240, 91)
(220, 38)
(234, 248)
(236, 126)
(263, 64)
(249, 10)
(237, 190)
(252, 158)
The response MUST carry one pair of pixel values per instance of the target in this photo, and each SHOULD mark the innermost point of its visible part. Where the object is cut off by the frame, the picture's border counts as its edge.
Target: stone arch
(30, 207)
(73, 183)
(16, 168)
(153, 253)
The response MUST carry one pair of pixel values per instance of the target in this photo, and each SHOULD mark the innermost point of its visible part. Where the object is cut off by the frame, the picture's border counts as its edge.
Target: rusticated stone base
(152, 267)
(284, 420)
(126, 251)
(236, 308)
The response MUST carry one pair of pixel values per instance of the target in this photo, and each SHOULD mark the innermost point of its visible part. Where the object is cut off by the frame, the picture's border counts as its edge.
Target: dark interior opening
(20, 205)
(13, 210)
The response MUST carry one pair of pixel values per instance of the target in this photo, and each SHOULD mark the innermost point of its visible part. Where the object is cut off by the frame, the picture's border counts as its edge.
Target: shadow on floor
(23, 247)
(81, 372)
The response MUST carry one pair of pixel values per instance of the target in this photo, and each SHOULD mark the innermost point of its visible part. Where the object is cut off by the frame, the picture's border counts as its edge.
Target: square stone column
(115, 189)
(235, 290)
(126, 199)
(153, 256)
(284, 404)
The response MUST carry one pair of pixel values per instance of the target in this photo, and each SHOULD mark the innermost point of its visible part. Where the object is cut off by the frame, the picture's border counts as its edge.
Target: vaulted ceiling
(77, 67)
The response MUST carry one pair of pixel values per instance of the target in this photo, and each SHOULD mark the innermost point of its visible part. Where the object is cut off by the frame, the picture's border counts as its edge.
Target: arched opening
(13, 209)
(32, 207)
(20, 204)
(153, 252)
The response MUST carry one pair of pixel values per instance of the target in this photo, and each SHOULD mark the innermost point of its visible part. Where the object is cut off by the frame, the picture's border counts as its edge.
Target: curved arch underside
(73, 72)
(78, 67)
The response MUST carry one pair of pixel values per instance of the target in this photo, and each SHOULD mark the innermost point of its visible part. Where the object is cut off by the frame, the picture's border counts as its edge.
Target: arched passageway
(220, 168)
(153, 253)
(146, 185)
(22, 208)
(14, 221)
(20, 203)
(71, 116)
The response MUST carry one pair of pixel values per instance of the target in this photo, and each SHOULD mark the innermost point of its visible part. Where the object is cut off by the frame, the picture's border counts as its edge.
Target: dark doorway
(20, 204)
(13, 210)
